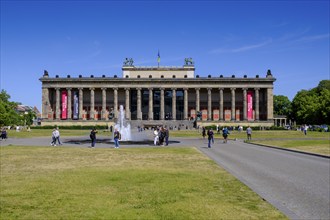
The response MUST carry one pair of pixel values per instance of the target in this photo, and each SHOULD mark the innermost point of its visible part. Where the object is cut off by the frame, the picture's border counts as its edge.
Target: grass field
(312, 146)
(182, 133)
(139, 183)
(314, 142)
(48, 133)
(257, 134)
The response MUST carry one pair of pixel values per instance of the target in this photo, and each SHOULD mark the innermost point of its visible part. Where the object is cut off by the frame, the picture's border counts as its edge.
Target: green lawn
(315, 142)
(256, 134)
(48, 133)
(139, 183)
(312, 146)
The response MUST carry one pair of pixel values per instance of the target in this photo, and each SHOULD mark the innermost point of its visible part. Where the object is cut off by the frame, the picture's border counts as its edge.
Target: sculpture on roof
(128, 62)
(188, 61)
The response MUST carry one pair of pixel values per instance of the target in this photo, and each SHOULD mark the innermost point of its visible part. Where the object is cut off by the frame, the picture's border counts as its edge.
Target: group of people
(161, 135)
(225, 133)
(116, 137)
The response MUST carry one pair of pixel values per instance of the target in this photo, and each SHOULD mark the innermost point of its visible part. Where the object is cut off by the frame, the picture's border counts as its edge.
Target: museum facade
(156, 95)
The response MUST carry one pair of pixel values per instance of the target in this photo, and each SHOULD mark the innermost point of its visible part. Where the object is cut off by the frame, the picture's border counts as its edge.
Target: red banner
(249, 105)
(64, 104)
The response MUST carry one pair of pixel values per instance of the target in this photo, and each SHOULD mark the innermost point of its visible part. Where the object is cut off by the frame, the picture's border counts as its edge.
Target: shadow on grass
(110, 141)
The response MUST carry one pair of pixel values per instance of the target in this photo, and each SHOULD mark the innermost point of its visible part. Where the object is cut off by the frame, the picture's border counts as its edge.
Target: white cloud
(241, 49)
(313, 38)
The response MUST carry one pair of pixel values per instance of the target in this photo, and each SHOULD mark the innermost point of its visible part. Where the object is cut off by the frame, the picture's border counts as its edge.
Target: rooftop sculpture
(188, 61)
(128, 62)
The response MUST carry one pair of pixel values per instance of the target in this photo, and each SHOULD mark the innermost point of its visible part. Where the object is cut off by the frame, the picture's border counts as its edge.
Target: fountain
(123, 126)
(128, 136)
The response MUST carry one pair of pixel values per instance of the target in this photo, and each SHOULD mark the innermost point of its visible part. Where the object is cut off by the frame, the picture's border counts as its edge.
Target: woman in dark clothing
(210, 137)
(93, 137)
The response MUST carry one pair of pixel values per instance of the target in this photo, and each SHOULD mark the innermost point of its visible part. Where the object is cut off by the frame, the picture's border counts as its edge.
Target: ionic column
(256, 91)
(162, 105)
(221, 103)
(91, 112)
(150, 113)
(45, 102)
(209, 103)
(185, 107)
(270, 104)
(139, 111)
(69, 103)
(127, 107)
(58, 111)
(81, 100)
(115, 102)
(244, 104)
(104, 103)
(233, 104)
(197, 100)
(174, 104)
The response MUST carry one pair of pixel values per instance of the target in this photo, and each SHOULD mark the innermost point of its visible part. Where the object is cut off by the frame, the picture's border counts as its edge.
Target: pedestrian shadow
(110, 141)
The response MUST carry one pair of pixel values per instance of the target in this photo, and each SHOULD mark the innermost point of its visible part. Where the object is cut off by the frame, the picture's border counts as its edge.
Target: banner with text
(249, 105)
(64, 104)
(75, 105)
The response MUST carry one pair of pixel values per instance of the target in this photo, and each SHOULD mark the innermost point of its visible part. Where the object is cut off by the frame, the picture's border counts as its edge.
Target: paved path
(297, 184)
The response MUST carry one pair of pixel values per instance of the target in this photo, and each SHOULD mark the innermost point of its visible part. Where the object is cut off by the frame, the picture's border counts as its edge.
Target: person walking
(57, 136)
(162, 136)
(225, 133)
(203, 132)
(53, 142)
(249, 133)
(116, 137)
(167, 135)
(93, 137)
(156, 137)
(218, 129)
(4, 134)
(305, 129)
(210, 137)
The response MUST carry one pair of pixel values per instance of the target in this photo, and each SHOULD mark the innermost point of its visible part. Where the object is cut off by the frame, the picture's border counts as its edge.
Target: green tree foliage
(282, 105)
(313, 106)
(8, 115)
(28, 118)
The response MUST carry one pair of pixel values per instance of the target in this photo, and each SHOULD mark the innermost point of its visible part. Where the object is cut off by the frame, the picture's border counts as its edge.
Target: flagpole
(158, 58)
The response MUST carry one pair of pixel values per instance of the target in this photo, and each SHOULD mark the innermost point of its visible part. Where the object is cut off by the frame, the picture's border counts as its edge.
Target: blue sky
(291, 38)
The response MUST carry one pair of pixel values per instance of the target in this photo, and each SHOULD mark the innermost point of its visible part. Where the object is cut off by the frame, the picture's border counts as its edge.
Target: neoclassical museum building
(155, 95)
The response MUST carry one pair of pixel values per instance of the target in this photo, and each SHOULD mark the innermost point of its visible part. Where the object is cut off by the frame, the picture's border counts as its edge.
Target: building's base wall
(151, 123)
(238, 123)
(75, 123)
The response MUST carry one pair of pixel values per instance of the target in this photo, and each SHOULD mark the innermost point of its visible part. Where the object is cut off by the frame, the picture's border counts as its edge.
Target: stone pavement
(297, 184)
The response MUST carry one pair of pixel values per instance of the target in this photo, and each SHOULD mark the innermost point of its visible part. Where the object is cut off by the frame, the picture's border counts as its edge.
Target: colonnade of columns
(45, 99)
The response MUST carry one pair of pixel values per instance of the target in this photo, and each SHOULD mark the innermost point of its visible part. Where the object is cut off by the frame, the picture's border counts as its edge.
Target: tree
(324, 84)
(313, 106)
(282, 105)
(8, 115)
(28, 117)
